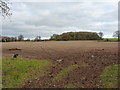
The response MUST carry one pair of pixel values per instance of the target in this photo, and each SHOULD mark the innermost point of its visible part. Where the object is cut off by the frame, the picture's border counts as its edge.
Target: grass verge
(17, 71)
(109, 76)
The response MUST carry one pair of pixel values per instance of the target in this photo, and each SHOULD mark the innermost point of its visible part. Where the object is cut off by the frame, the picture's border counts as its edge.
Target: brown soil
(97, 54)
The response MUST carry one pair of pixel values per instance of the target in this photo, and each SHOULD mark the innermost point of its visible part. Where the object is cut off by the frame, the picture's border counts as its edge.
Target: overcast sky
(48, 18)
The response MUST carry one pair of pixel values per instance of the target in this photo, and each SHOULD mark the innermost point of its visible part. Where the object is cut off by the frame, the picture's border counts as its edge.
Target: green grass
(18, 71)
(111, 39)
(64, 73)
(109, 76)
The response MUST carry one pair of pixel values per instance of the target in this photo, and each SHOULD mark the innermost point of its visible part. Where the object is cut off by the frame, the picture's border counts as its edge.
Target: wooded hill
(76, 36)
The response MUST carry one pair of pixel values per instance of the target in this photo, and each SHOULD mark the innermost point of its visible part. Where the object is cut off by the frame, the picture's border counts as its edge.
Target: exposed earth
(96, 55)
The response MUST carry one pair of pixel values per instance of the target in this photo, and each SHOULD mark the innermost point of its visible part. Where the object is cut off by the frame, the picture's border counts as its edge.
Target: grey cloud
(45, 19)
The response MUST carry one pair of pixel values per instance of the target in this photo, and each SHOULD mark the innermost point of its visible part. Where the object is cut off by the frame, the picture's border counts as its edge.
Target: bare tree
(20, 38)
(116, 34)
(100, 34)
(38, 38)
(54, 36)
(12, 39)
(5, 8)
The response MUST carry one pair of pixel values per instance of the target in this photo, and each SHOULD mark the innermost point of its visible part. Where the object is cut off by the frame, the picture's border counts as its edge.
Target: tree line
(19, 38)
(63, 37)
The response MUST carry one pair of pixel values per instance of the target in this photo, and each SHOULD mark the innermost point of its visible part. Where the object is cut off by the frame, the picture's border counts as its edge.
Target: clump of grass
(64, 73)
(109, 76)
(70, 86)
(17, 71)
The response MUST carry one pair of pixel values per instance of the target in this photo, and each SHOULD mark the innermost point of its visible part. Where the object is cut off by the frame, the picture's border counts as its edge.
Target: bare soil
(96, 54)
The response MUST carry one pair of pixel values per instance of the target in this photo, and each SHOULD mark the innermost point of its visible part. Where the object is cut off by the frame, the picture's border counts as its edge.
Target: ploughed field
(75, 64)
